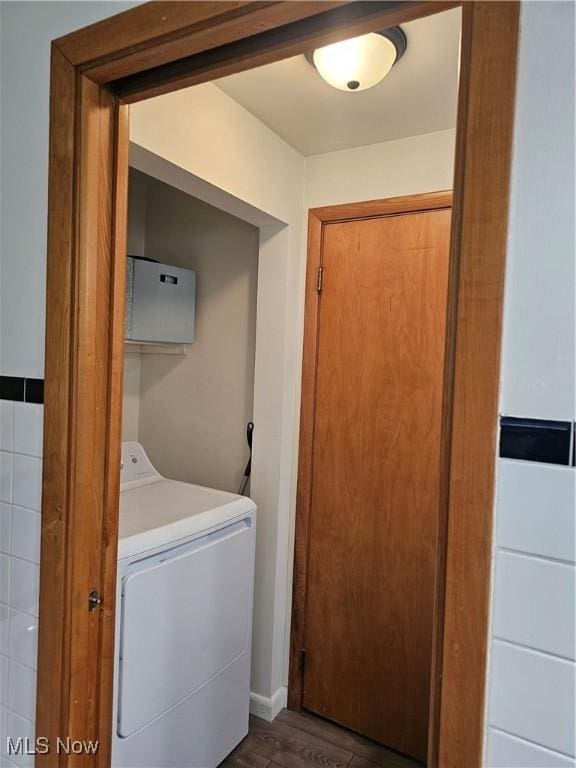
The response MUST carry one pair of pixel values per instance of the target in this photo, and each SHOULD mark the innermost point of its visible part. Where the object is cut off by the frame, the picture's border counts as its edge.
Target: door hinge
(94, 600)
(303, 652)
(320, 279)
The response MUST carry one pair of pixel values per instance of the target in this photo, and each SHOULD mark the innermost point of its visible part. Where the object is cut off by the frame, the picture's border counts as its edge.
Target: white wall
(401, 167)
(531, 705)
(26, 31)
(194, 407)
(136, 228)
(136, 242)
(222, 143)
(131, 400)
(538, 376)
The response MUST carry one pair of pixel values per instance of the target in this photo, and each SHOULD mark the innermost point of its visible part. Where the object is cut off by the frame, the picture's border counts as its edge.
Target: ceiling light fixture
(360, 62)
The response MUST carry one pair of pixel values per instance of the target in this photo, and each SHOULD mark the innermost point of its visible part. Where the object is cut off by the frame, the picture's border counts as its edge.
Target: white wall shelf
(156, 349)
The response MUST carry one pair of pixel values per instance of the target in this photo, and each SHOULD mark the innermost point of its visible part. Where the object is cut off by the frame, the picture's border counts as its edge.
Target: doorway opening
(253, 153)
(279, 322)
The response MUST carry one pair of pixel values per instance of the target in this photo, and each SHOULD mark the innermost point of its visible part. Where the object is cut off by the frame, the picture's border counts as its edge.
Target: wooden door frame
(318, 218)
(156, 48)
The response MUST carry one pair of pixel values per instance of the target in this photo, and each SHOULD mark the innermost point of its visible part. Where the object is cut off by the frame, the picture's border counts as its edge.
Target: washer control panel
(135, 466)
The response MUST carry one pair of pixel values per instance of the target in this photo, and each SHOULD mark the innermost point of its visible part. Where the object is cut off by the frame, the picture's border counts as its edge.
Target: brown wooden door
(375, 479)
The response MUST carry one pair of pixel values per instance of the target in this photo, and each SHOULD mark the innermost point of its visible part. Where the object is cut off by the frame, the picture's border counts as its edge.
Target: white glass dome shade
(359, 62)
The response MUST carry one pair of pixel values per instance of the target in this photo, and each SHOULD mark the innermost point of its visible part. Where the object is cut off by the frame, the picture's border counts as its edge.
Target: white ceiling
(418, 96)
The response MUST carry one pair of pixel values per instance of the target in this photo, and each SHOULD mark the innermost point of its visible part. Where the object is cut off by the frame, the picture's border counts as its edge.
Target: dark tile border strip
(34, 391)
(11, 388)
(21, 390)
(536, 440)
(541, 440)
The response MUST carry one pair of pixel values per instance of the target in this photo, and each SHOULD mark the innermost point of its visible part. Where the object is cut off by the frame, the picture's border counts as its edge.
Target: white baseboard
(268, 709)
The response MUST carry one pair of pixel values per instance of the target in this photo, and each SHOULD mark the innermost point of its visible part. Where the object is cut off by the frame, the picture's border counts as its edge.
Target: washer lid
(162, 511)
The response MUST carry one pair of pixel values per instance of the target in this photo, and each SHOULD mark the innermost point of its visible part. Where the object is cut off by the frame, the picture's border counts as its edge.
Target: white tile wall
(6, 425)
(20, 497)
(534, 603)
(505, 751)
(25, 537)
(27, 481)
(532, 691)
(6, 460)
(531, 674)
(18, 727)
(536, 509)
(28, 428)
(532, 697)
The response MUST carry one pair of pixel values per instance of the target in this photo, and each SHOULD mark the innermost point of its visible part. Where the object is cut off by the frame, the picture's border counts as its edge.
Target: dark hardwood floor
(300, 740)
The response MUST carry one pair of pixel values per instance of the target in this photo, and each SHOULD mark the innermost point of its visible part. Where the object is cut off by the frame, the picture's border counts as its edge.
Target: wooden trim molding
(209, 25)
(162, 32)
(430, 201)
(305, 464)
(479, 230)
(299, 35)
(58, 389)
(83, 408)
(155, 48)
(117, 298)
(145, 28)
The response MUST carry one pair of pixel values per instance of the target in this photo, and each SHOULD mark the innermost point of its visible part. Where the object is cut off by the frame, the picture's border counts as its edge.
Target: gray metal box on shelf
(160, 303)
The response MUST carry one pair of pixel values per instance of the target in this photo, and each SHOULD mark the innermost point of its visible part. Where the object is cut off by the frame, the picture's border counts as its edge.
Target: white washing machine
(183, 620)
